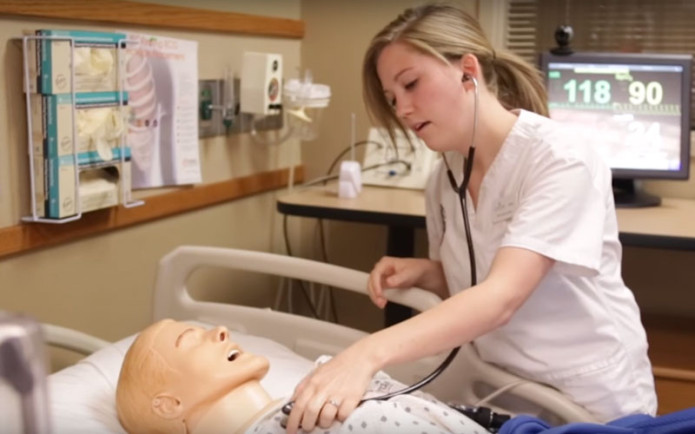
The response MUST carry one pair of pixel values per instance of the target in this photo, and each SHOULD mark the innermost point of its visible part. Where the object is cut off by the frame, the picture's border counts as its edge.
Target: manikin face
(205, 363)
(427, 95)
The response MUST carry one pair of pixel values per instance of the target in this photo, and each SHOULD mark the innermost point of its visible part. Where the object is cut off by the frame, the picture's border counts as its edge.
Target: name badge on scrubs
(504, 209)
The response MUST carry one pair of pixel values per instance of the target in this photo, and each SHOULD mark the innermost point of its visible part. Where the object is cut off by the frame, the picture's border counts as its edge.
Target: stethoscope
(460, 191)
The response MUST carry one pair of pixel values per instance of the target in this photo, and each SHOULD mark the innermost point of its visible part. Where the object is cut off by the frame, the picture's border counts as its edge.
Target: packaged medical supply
(96, 61)
(99, 186)
(99, 125)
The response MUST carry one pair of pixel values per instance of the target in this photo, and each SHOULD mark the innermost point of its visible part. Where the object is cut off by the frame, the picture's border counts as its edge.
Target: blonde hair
(448, 33)
(143, 375)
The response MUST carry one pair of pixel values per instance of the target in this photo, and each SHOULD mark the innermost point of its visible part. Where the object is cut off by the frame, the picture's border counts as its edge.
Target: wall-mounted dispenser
(261, 83)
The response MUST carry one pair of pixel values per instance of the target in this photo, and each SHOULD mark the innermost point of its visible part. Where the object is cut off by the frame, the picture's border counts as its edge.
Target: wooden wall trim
(155, 15)
(30, 236)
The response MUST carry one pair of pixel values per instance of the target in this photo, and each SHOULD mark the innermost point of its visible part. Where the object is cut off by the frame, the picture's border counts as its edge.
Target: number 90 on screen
(599, 92)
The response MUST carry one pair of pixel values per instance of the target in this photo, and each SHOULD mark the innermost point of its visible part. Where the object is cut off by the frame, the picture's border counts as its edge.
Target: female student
(521, 225)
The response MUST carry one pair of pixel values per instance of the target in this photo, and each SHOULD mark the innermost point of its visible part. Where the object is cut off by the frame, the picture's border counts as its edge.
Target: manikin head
(174, 370)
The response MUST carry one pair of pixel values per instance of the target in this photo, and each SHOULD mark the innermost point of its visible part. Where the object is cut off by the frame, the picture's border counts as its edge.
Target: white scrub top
(580, 330)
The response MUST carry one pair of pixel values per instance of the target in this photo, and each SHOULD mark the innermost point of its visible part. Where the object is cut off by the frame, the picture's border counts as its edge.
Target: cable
(407, 165)
(301, 284)
(348, 149)
(483, 416)
(327, 178)
(330, 177)
(324, 252)
(500, 391)
(364, 169)
(324, 179)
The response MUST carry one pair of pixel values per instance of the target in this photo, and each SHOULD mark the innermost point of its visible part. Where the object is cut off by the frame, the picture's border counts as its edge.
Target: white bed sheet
(82, 396)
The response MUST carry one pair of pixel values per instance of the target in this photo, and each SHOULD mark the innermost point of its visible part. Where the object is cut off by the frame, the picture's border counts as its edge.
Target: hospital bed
(81, 396)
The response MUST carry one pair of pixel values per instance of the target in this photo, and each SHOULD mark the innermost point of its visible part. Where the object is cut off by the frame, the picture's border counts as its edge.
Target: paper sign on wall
(161, 77)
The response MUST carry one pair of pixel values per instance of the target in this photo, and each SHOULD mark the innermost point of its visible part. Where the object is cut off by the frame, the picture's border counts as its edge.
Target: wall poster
(161, 78)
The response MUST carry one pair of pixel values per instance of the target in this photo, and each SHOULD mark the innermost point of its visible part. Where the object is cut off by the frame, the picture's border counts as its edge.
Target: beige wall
(102, 284)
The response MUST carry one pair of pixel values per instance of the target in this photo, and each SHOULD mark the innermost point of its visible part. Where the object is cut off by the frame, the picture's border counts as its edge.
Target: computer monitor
(639, 106)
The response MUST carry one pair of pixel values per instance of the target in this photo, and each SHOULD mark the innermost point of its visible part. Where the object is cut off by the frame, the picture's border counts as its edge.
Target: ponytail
(517, 83)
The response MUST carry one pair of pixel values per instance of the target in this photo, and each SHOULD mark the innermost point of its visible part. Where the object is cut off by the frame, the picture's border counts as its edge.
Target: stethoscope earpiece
(468, 77)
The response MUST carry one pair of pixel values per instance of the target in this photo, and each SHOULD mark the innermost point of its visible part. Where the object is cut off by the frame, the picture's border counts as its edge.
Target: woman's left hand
(332, 391)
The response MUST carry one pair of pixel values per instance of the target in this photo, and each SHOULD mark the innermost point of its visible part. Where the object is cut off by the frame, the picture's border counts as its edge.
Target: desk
(379, 205)
(401, 210)
(670, 225)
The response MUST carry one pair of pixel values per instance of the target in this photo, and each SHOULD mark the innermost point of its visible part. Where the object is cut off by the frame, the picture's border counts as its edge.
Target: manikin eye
(232, 356)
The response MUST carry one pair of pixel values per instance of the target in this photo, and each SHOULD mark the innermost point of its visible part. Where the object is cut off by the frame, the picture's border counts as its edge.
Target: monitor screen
(637, 104)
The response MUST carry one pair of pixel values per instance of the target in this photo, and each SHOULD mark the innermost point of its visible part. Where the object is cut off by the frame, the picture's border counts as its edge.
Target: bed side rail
(175, 267)
(468, 380)
(73, 340)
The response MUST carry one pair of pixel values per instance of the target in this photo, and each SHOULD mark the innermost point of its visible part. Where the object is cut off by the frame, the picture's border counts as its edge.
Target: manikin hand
(402, 273)
(332, 391)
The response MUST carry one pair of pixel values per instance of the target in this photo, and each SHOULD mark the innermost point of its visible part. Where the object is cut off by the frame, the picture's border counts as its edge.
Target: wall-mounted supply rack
(57, 163)
(23, 238)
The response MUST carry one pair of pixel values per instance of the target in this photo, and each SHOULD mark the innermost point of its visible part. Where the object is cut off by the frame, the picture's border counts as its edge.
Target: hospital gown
(416, 413)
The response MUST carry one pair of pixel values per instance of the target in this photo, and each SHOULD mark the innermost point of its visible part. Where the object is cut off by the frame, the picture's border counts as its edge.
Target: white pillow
(82, 396)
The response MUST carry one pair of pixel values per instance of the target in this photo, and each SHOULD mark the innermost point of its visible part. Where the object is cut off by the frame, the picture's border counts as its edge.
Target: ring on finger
(333, 402)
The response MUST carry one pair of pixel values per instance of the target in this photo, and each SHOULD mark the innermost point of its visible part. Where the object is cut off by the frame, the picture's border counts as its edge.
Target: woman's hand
(332, 391)
(391, 272)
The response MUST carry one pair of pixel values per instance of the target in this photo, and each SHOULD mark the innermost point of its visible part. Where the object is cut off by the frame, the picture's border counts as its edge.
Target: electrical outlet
(210, 117)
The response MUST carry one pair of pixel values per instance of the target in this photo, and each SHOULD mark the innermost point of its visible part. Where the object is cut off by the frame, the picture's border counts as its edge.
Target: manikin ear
(167, 406)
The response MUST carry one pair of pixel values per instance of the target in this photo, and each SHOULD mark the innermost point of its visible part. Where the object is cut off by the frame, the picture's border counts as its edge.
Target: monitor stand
(627, 195)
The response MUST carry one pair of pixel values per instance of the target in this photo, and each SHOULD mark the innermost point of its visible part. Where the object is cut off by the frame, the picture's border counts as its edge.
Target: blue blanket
(680, 422)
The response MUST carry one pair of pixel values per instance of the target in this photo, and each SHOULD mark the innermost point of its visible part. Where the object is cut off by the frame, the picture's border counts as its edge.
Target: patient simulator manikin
(181, 378)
